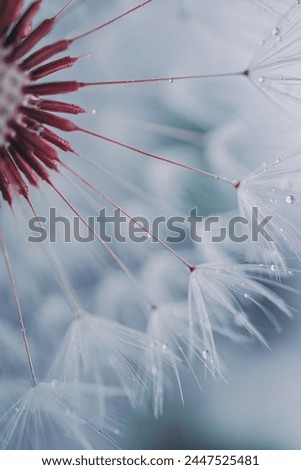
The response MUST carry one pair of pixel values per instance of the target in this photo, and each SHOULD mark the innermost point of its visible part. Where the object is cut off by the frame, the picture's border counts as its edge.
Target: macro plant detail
(173, 303)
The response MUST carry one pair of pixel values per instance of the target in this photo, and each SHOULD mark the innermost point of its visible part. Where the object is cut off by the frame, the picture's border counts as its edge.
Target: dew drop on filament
(290, 199)
(276, 31)
(205, 354)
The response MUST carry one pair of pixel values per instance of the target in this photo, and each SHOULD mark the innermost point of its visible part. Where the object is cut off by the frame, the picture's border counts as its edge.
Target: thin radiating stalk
(129, 217)
(18, 307)
(64, 283)
(109, 250)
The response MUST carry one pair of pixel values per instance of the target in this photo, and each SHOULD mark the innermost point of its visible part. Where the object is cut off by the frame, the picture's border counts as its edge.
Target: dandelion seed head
(12, 97)
(28, 148)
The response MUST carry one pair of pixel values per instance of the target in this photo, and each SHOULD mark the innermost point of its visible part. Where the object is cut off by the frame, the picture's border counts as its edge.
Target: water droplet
(273, 268)
(290, 199)
(290, 272)
(164, 347)
(246, 296)
(170, 80)
(94, 111)
(276, 31)
(155, 370)
(261, 80)
(117, 431)
(205, 354)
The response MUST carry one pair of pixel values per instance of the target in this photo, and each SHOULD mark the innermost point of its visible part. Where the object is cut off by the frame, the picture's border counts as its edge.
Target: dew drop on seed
(290, 199)
(94, 111)
(164, 347)
(273, 268)
(205, 354)
(261, 80)
(246, 296)
(276, 31)
(170, 80)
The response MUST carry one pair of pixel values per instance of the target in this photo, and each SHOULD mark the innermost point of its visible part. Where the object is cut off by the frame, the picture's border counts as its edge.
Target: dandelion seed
(276, 64)
(215, 286)
(40, 420)
(255, 192)
(100, 352)
(170, 350)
